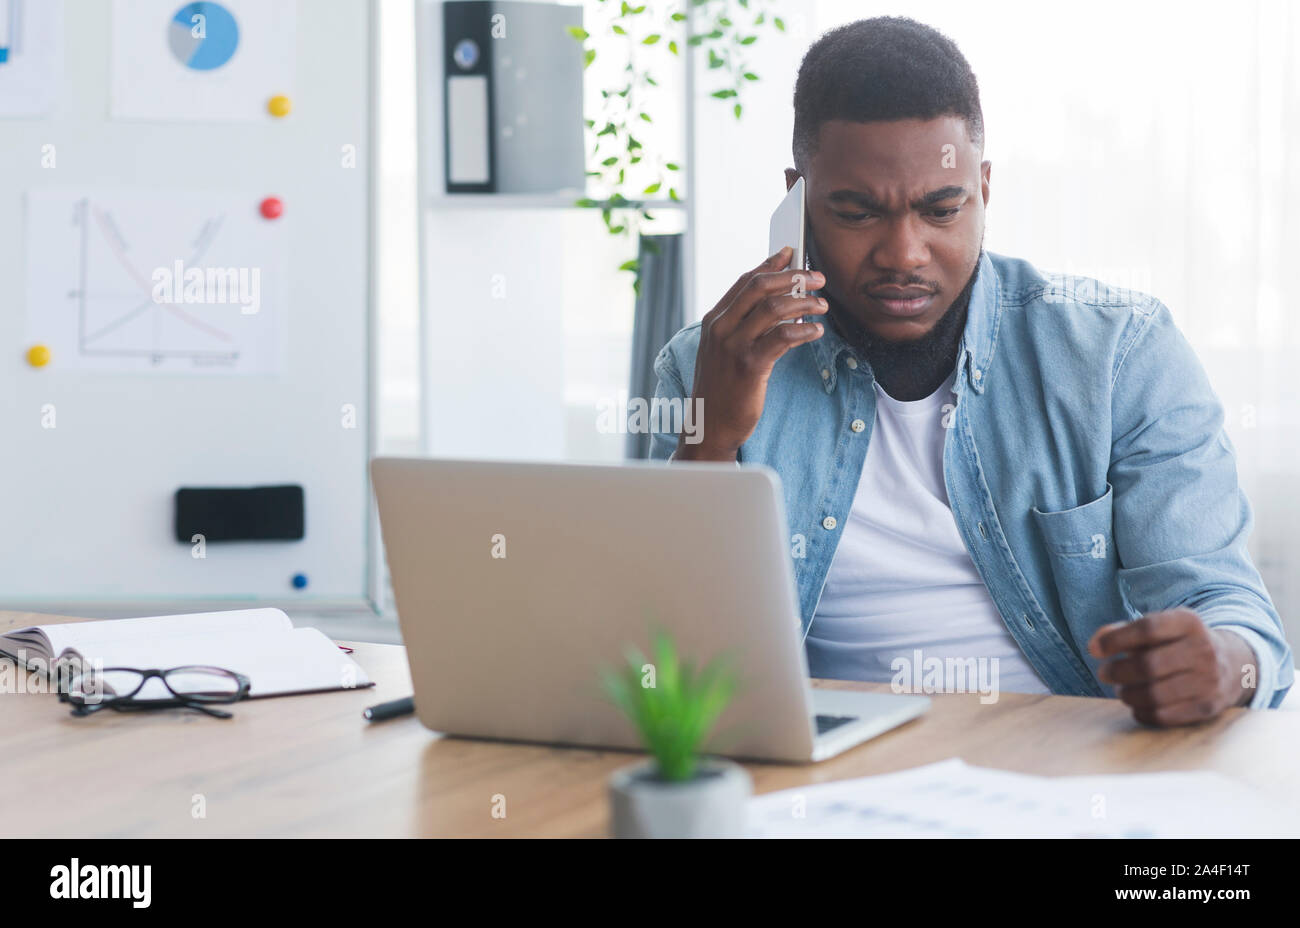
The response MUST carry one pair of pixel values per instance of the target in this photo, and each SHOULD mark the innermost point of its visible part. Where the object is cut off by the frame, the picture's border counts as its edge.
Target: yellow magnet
(38, 356)
(278, 105)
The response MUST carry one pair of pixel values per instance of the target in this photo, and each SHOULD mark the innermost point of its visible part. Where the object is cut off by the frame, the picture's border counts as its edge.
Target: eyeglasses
(129, 690)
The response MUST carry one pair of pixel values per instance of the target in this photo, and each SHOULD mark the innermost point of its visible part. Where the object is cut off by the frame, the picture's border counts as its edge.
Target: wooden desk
(310, 766)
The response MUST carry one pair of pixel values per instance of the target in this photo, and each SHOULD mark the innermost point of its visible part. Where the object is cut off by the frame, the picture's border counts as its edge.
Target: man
(979, 461)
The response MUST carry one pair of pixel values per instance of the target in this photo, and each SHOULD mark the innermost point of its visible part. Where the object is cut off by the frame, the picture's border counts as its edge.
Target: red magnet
(272, 208)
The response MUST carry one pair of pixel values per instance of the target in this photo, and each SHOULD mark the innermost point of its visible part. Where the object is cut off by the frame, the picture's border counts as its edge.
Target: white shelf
(535, 201)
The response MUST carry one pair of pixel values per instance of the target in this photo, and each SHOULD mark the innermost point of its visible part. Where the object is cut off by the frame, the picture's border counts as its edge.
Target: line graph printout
(951, 799)
(142, 282)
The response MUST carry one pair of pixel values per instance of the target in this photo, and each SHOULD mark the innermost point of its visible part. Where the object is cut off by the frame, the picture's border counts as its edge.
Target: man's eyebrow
(867, 201)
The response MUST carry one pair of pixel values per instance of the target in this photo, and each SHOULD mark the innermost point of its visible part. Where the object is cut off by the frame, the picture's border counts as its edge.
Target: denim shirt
(1085, 461)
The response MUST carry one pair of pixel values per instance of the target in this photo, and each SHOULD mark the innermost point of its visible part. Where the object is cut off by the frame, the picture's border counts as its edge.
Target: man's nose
(904, 248)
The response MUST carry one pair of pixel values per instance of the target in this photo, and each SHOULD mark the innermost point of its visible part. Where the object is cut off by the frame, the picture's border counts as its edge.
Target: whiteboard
(86, 506)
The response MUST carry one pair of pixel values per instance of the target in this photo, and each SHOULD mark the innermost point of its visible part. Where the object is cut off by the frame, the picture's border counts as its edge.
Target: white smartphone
(789, 228)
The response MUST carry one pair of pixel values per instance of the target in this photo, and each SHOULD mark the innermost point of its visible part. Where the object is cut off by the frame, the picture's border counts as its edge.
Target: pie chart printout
(203, 36)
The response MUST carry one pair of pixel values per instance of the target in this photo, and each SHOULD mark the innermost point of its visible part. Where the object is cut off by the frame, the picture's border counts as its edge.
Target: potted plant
(677, 792)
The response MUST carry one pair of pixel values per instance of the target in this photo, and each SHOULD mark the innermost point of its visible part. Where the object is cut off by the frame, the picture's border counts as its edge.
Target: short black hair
(878, 70)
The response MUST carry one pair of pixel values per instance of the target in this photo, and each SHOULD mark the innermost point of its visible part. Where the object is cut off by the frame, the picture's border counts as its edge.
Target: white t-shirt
(901, 580)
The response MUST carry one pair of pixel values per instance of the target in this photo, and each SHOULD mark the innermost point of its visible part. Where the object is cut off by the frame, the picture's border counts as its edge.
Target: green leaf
(715, 60)
(679, 17)
(588, 57)
(695, 40)
(651, 81)
(619, 29)
(653, 188)
(672, 166)
(629, 265)
(736, 110)
(615, 230)
(589, 123)
(612, 160)
(749, 40)
(646, 117)
(723, 94)
(779, 23)
(723, 21)
(578, 33)
(651, 39)
(672, 195)
(672, 46)
(750, 76)
(760, 19)
(586, 202)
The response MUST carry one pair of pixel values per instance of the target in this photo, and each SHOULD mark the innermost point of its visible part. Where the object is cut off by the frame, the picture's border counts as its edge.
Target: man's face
(896, 216)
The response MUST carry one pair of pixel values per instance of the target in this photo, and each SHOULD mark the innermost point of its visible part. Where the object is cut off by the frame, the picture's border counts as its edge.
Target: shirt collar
(977, 344)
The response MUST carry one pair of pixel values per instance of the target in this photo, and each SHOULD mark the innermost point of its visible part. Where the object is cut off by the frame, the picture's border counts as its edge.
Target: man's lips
(903, 301)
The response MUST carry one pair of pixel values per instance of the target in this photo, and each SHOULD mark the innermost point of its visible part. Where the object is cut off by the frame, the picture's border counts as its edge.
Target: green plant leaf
(651, 39)
(619, 29)
(612, 160)
(678, 17)
(779, 23)
(750, 76)
(629, 265)
(749, 40)
(578, 33)
(652, 188)
(723, 94)
(646, 117)
(672, 46)
(672, 166)
(588, 57)
(736, 109)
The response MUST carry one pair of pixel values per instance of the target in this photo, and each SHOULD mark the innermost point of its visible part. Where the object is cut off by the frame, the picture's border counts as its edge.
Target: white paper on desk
(953, 799)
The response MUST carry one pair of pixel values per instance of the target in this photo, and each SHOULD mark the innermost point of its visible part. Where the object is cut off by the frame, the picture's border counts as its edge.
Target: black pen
(389, 710)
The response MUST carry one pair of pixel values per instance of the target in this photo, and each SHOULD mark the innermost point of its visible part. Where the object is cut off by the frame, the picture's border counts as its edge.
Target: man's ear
(985, 169)
(791, 175)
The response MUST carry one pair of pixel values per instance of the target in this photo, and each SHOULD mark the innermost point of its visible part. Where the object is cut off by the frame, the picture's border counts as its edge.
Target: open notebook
(261, 644)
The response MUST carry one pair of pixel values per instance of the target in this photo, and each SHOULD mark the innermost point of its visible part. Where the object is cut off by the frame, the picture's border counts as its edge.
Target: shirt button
(857, 425)
(852, 363)
(829, 523)
(975, 375)
(826, 375)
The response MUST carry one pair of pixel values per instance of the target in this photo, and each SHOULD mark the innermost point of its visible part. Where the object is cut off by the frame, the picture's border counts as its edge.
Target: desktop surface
(311, 766)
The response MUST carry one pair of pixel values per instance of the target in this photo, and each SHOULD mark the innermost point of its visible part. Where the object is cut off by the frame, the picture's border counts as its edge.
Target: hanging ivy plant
(723, 30)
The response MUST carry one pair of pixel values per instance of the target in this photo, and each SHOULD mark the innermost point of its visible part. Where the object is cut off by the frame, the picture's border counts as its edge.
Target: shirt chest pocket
(1081, 550)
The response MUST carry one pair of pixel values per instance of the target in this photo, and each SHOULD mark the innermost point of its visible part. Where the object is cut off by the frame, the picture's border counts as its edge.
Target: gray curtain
(660, 313)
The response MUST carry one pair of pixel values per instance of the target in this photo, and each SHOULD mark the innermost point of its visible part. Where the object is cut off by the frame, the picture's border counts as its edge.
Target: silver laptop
(516, 583)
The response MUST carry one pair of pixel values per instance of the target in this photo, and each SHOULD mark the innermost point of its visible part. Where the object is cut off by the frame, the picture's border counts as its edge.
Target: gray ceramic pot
(712, 805)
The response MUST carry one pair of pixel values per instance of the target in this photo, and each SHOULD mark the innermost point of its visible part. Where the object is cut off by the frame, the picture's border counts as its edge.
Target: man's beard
(912, 369)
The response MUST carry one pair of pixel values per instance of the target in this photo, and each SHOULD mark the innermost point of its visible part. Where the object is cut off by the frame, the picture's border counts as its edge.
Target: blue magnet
(299, 581)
